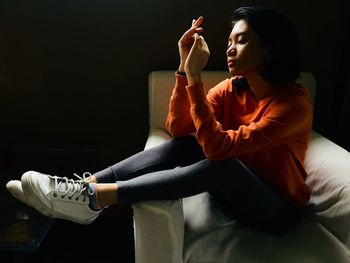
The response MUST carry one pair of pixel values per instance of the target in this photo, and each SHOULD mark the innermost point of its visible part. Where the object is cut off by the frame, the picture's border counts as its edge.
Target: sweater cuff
(181, 80)
(196, 93)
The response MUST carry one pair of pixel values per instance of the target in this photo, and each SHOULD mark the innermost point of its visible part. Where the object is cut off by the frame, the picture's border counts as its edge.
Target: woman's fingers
(187, 40)
(197, 57)
(200, 47)
(195, 29)
(192, 30)
(197, 22)
(201, 43)
(188, 35)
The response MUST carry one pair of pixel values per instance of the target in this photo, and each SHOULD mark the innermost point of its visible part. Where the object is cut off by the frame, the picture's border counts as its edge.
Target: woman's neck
(260, 87)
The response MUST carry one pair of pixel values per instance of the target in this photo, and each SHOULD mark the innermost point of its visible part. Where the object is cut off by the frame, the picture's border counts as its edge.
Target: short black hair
(278, 36)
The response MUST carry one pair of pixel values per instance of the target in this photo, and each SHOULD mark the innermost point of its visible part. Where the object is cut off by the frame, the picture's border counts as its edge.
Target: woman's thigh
(252, 200)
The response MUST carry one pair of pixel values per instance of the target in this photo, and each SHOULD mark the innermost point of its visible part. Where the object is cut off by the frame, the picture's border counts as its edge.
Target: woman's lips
(231, 63)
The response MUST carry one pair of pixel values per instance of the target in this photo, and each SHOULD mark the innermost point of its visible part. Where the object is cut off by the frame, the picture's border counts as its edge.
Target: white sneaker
(62, 197)
(15, 188)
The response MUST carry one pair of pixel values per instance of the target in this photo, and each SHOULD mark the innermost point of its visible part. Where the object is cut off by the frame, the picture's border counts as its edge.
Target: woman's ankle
(107, 194)
(92, 179)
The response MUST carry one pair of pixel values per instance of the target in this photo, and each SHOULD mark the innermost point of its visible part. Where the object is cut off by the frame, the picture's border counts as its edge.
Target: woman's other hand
(186, 41)
(194, 52)
(196, 60)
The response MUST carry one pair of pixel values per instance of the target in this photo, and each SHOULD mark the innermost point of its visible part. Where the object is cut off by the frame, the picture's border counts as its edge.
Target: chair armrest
(158, 231)
(158, 225)
(155, 137)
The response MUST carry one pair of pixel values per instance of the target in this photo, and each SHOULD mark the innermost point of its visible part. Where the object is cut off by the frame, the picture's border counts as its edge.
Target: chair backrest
(161, 84)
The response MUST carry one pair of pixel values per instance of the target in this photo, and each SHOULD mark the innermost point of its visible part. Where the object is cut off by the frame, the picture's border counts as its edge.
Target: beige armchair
(196, 229)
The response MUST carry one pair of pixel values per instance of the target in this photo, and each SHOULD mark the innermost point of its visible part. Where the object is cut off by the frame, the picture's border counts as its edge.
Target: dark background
(73, 74)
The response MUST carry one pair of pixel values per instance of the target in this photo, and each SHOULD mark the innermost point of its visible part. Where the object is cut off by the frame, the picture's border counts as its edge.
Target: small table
(22, 229)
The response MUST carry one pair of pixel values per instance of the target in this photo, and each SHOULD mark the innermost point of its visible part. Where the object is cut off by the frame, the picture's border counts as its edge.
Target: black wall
(74, 73)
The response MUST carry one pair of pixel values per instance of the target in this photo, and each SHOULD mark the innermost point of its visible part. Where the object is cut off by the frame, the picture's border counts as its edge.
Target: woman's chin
(234, 72)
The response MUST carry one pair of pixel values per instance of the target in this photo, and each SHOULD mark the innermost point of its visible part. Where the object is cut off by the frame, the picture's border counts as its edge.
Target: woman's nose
(231, 51)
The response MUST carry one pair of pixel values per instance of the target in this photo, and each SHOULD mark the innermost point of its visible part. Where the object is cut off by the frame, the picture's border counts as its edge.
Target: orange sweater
(270, 136)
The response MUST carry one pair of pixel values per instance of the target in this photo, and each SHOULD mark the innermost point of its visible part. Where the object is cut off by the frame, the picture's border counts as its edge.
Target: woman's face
(244, 52)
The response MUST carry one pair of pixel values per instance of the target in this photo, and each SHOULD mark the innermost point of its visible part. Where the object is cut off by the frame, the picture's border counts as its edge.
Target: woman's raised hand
(186, 41)
(194, 52)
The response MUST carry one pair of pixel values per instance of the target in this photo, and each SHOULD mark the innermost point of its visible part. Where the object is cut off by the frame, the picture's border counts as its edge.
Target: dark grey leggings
(178, 168)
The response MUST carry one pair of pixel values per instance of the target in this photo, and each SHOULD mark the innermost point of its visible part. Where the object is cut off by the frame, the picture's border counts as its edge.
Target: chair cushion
(206, 223)
(328, 168)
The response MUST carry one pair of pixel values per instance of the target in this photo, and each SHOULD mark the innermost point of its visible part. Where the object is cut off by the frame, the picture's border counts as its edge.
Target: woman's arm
(289, 117)
(179, 121)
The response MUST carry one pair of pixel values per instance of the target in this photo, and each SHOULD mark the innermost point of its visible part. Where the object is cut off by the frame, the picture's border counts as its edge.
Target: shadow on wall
(74, 75)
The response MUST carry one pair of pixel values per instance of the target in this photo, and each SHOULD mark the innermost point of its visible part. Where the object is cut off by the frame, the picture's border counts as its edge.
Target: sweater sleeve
(286, 118)
(179, 120)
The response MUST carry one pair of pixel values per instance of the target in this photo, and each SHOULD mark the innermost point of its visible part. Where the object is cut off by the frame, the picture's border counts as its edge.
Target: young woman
(244, 142)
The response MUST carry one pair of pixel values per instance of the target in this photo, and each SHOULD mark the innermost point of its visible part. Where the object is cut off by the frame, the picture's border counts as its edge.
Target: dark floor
(108, 239)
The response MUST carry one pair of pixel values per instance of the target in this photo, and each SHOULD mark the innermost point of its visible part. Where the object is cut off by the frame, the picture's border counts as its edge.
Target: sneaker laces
(73, 187)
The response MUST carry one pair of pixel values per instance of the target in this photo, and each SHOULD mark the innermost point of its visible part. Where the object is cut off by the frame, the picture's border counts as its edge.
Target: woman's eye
(241, 41)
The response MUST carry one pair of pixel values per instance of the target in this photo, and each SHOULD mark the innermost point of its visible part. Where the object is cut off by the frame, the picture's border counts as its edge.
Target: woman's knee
(187, 146)
(183, 142)
(229, 169)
